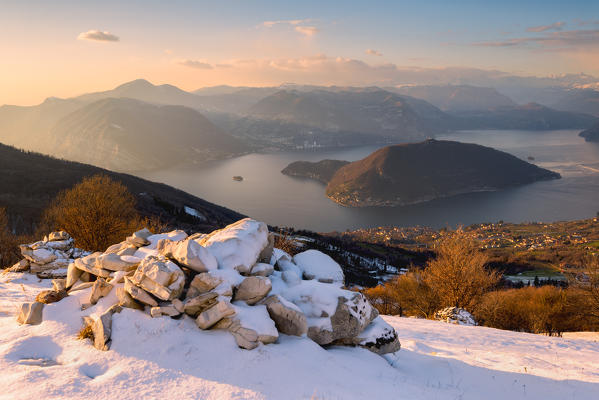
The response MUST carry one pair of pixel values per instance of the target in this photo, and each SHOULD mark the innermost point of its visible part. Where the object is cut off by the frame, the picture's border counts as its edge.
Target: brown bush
(586, 282)
(545, 309)
(97, 212)
(9, 250)
(457, 275)
(404, 295)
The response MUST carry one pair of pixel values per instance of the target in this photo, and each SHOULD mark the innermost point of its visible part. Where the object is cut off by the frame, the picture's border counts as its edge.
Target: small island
(238, 178)
(413, 173)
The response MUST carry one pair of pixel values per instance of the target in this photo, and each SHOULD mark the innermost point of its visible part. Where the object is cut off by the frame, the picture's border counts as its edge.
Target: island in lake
(412, 173)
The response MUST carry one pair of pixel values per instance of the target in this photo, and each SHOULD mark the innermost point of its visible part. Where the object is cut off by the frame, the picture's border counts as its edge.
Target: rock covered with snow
(232, 279)
(239, 245)
(455, 315)
(50, 257)
(316, 265)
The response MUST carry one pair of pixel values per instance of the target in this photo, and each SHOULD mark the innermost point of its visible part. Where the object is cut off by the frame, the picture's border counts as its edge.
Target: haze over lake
(268, 195)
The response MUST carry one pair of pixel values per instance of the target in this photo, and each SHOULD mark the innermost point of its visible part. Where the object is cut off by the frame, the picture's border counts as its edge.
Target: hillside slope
(591, 134)
(459, 97)
(130, 135)
(412, 173)
(168, 358)
(321, 171)
(30, 181)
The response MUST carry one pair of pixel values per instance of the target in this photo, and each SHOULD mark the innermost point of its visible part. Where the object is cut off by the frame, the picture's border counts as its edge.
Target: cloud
(322, 69)
(556, 26)
(559, 41)
(195, 64)
(98, 36)
(299, 25)
(374, 53)
(270, 24)
(306, 30)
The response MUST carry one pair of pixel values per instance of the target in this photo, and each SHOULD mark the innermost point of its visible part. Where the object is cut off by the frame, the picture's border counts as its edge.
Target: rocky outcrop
(48, 258)
(232, 279)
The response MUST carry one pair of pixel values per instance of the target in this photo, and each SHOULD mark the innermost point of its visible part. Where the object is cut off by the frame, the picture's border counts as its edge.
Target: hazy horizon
(67, 48)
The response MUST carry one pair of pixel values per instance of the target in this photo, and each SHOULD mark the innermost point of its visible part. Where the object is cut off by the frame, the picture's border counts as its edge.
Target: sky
(65, 48)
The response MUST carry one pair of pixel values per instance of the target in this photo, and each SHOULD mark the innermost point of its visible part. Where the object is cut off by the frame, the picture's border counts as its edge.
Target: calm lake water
(277, 199)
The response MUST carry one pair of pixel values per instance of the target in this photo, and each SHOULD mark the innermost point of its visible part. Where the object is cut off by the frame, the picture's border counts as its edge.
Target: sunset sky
(64, 48)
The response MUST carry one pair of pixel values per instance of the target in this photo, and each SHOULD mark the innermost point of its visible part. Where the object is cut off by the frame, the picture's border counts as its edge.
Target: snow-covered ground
(167, 358)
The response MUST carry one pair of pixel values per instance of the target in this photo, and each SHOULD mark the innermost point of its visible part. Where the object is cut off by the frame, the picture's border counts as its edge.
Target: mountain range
(127, 128)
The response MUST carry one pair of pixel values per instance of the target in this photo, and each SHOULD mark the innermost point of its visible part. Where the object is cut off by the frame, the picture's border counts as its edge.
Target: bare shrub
(9, 250)
(286, 243)
(586, 282)
(86, 332)
(457, 275)
(404, 295)
(545, 309)
(97, 212)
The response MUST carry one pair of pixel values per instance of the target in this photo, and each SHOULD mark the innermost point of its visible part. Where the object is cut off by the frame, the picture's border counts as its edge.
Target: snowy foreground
(168, 358)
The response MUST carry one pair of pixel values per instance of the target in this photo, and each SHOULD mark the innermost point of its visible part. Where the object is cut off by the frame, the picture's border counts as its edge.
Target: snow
(317, 265)
(256, 318)
(237, 246)
(169, 358)
(195, 213)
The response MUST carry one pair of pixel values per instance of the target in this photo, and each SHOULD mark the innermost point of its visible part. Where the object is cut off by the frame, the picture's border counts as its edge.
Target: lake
(277, 199)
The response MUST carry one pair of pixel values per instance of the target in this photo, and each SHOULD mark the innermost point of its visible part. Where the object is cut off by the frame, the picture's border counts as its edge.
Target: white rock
(222, 309)
(238, 245)
(253, 289)
(30, 313)
(188, 253)
(317, 265)
(262, 269)
(288, 317)
(163, 278)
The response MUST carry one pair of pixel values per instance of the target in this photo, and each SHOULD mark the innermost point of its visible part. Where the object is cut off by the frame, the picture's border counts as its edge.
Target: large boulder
(160, 277)
(188, 253)
(288, 317)
(378, 337)
(317, 265)
(30, 313)
(253, 289)
(332, 313)
(237, 246)
(115, 262)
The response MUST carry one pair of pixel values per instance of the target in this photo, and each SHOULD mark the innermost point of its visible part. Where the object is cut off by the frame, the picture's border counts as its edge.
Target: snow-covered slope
(168, 358)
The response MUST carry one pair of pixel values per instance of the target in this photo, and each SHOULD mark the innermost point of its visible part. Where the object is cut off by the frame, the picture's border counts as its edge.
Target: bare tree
(457, 275)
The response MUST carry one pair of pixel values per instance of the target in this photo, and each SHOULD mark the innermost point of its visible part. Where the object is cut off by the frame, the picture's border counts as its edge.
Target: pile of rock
(50, 257)
(231, 279)
(455, 315)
